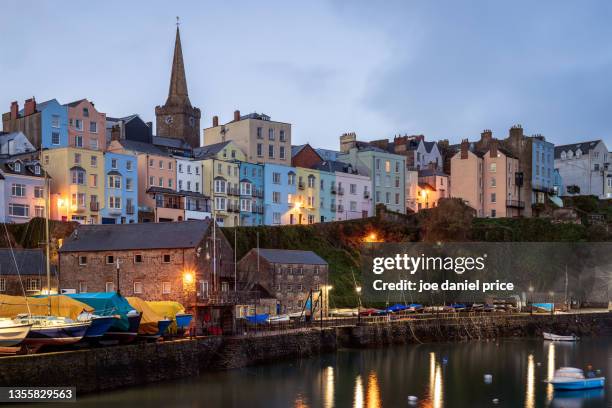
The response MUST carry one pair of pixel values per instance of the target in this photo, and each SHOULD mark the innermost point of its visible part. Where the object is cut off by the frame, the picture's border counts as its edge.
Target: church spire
(177, 94)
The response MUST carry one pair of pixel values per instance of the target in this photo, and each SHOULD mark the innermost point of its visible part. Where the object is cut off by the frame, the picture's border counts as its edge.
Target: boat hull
(99, 326)
(183, 320)
(585, 384)
(13, 335)
(56, 335)
(556, 337)
(125, 336)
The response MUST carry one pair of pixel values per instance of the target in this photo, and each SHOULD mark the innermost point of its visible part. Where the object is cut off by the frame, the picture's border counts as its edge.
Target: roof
(148, 235)
(334, 165)
(431, 172)
(295, 149)
(75, 103)
(142, 147)
(327, 154)
(583, 146)
(291, 256)
(429, 146)
(27, 169)
(209, 150)
(29, 261)
(427, 186)
(170, 142)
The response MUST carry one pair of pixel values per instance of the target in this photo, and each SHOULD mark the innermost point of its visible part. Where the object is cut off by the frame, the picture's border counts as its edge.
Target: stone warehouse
(290, 275)
(153, 261)
(23, 271)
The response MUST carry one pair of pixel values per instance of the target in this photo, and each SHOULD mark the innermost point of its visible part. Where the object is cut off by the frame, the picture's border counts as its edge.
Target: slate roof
(27, 167)
(291, 256)
(334, 165)
(295, 149)
(147, 235)
(29, 262)
(327, 154)
(75, 103)
(583, 146)
(427, 186)
(170, 142)
(429, 146)
(142, 147)
(209, 150)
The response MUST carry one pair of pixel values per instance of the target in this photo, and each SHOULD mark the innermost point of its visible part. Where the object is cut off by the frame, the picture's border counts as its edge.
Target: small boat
(556, 337)
(124, 335)
(278, 319)
(52, 330)
(258, 319)
(569, 378)
(12, 333)
(459, 307)
(183, 320)
(99, 324)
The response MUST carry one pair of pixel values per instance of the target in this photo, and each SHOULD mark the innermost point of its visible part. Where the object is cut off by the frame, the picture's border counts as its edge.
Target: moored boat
(556, 337)
(570, 378)
(52, 330)
(12, 333)
(99, 324)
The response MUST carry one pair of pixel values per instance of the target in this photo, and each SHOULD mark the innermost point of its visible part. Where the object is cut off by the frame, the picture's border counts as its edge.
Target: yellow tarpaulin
(169, 309)
(61, 306)
(150, 318)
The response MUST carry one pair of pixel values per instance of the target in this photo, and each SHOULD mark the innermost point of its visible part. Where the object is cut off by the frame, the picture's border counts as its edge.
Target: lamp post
(552, 302)
(358, 290)
(530, 300)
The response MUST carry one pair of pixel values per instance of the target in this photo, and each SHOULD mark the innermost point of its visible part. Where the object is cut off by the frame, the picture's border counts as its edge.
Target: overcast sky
(446, 69)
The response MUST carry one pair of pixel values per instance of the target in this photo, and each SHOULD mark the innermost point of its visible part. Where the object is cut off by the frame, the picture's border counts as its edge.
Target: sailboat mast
(47, 250)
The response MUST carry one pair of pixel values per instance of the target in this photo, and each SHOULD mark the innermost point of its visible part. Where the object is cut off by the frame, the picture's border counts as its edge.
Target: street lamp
(552, 302)
(358, 290)
(531, 300)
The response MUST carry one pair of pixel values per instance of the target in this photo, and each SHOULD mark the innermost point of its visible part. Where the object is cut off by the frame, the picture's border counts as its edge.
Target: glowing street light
(188, 277)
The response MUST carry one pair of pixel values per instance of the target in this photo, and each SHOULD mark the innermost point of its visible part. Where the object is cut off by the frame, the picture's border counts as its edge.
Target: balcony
(233, 191)
(94, 206)
(129, 209)
(333, 190)
(515, 204)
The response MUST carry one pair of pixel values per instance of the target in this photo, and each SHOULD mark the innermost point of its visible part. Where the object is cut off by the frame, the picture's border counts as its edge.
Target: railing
(94, 206)
(230, 297)
(233, 191)
(200, 208)
(333, 190)
(366, 194)
(515, 204)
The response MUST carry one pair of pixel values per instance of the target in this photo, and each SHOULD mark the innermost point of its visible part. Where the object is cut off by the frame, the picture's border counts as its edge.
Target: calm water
(440, 375)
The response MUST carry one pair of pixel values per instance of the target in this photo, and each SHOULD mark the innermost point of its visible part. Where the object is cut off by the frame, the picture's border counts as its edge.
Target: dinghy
(13, 333)
(556, 337)
(569, 378)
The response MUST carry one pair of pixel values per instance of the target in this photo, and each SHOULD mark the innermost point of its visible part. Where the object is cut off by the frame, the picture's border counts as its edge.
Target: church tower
(177, 118)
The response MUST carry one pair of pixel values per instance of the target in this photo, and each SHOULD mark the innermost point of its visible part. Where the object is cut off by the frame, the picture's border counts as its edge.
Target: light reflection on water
(440, 375)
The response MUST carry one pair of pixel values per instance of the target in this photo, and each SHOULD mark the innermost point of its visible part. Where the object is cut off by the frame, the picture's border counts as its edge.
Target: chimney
(14, 109)
(486, 135)
(493, 148)
(465, 145)
(236, 115)
(215, 121)
(29, 107)
(516, 131)
(116, 132)
(347, 142)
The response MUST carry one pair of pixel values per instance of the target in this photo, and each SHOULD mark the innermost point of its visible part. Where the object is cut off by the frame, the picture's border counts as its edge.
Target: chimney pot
(236, 115)
(215, 121)
(29, 106)
(14, 109)
(464, 148)
(493, 148)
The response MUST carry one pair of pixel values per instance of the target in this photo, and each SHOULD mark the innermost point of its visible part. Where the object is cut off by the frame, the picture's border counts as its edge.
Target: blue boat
(258, 319)
(569, 378)
(163, 326)
(183, 320)
(99, 326)
(52, 330)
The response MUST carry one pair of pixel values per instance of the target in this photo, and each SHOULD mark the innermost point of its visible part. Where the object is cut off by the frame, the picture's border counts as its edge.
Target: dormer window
(570, 154)
(578, 153)
(17, 167)
(563, 155)
(37, 169)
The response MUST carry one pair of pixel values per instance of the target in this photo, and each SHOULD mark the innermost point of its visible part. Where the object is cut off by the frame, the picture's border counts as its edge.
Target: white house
(584, 169)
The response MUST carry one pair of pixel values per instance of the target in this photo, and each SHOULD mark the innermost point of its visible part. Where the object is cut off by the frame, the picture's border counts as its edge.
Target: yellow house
(77, 183)
(305, 202)
(221, 180)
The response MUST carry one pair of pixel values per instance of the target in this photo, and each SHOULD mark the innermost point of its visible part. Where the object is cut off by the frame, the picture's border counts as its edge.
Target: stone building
(29, 275)
(177, 118)
(153, 261)
(289, 275)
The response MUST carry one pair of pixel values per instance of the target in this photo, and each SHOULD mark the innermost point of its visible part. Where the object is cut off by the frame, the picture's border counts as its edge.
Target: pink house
(86, 126)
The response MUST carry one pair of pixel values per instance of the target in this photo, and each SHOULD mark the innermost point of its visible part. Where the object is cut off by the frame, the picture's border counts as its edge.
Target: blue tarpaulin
(546, 306)
(107, 304)
(258, 319)
(396, 308)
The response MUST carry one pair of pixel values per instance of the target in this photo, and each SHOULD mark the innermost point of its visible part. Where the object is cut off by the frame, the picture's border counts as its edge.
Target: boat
(556, 337)
(99, 324)
(279, 318)
(152, 325)
(12, 333)
(570, 378)
(173, 311)
(258, 319)
(117, 332)
(52, 330)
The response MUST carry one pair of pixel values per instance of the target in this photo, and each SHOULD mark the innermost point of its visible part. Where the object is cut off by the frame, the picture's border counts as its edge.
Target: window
(204, 289)
(180, 185)
(82, 287)
(246, 205)
(397, 198)
(93, 144)
(114, 181)
(165, 288)
(110, 259)
(493, 167)
(197, 187)
(33, 285)
(151, 163)
(270, 134)
(290, 179)
(397, 167)
(114, 164)
(166, 258)
(271, 151)
(2, 284)
(93, 160)
(188, 185)
(281, 152)
(276, 178)
(259, 150)
(387, 198)
(353, 188)
(260, 133)
(151, 181)
(109, 287)
(276, 218)
(19, 210)
(18, 190)
(282, 135)
(169, 165)
(188, 169)
(387, 166)
(55, 138)
(169, 183)
(93, 180)
(311, 181)
(82, 260)
(493, 198)
(77, 158)
(220, 186)
(161, 164)
(137, 287)
(161, 181)
(78, 177)
(493, 182)
(114, 202)
(311, 218)
(245, 188)
(39, 211)
(377, 164)
(55, 121)
(197, 170)
(493, 213)
(93, 127)
(128, 165)
(128, 184)
(220, 203)
(78, 124)
(276, 197)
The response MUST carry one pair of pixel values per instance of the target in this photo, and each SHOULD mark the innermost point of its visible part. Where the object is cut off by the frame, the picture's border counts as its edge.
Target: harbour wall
(105, 368)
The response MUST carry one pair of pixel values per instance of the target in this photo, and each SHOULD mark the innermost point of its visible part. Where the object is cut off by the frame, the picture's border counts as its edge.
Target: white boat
(13, 333)
(52, 330)
(278, 318)
(570, 378)
(556, 337)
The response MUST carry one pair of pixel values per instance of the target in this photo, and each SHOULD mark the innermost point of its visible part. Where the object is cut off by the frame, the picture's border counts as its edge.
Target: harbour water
(438, 375)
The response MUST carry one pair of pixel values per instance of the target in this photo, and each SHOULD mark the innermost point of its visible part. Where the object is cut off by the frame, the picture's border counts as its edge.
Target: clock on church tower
(177, 118)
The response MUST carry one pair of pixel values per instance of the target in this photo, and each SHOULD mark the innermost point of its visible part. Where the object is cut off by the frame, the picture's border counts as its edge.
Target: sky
(443, 68)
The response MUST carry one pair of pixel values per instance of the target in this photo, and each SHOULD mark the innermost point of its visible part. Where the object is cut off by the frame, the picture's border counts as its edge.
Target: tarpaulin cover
(61, 306)
(169, 309)
(150, 318)
(397, 308)
(107, 304)
(258, 319)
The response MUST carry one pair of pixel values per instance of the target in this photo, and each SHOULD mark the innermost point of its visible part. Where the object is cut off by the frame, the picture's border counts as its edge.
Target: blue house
(120, 189)
(327, 191)
(251, 194)
(543, 168)
(53, 124)
(279, 190)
